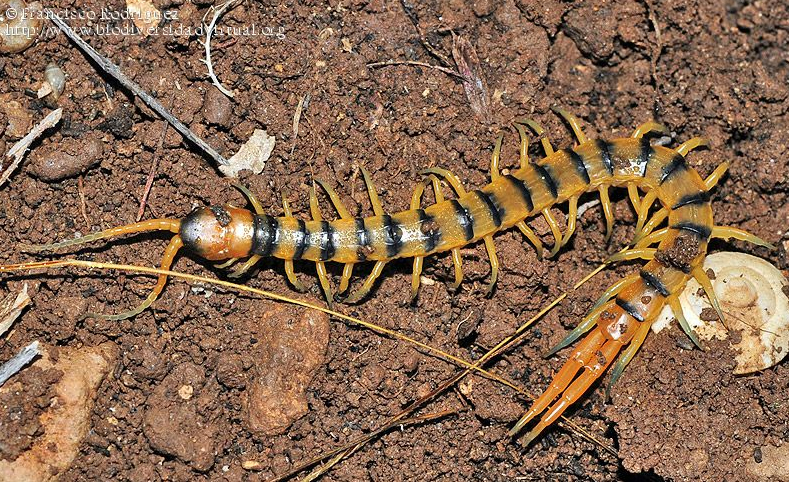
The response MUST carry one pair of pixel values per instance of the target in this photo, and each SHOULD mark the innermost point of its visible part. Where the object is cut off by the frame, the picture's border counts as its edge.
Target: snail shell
(20, 24)
(752, 296)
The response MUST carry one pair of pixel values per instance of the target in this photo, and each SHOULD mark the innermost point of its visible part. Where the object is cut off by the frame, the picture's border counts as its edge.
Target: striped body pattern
(618, 322)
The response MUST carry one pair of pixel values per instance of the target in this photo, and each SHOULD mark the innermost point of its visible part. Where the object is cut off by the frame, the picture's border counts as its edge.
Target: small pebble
(217, 108)
(19, 120)
(186, 392)
(66, 159)
(251, 465)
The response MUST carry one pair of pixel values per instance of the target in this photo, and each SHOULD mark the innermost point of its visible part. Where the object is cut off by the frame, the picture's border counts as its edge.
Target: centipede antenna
(172, 225)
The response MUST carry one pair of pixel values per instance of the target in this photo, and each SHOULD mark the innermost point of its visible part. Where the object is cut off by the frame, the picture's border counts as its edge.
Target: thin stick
(218, 12)
(414, 63)
(152, 171)
(18, 361)
(150, 101)
(18, 150)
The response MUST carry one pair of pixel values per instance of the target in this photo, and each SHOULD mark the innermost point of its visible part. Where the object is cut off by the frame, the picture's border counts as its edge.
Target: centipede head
(218, 232)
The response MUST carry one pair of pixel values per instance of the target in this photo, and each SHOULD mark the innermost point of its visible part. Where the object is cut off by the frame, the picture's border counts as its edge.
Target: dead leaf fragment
(11, 307)
(476, 88)
(252, 156)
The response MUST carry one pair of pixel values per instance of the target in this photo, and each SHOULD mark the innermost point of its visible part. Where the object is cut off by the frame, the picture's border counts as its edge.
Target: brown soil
(717, 69)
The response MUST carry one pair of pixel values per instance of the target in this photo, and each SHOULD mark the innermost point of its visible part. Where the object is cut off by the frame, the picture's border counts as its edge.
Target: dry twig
(12, 366)
(113, 70)
(218, 12)
(17, 152)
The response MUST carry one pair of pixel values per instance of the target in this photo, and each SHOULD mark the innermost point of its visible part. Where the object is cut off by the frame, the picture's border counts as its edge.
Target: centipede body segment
(618, 323)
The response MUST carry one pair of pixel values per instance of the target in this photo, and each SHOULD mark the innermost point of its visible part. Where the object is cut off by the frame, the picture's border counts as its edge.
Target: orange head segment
(219, 232)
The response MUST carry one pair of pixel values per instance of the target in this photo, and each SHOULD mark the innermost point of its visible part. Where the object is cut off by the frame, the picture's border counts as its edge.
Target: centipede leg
(728, 232)
(167, 260)
(546, 143)
(635, 253)
(457, 262)
(288, 262)
(335, 200)
(603, 358)
(614, 290)
(574, 122)
(450, 177)
(701, 276)
(627, 355)
(585, 325)
(373, 193)
(608, 212)
(226, 263)
(555, 230)
(691, 144)
(251, 197)
(646, 204)
(532, 237)
(523, 151)
(494, 263)
(635, 198)
(416, 202)
(572, 219)
(320, 266)
(347, 271)
(648, 127)
(652, 238)
(716, 175)
(676, 308)
(563, 377)
(245, 266)
(368, 283)
(416, 276)
(653, 222)
(495, 158)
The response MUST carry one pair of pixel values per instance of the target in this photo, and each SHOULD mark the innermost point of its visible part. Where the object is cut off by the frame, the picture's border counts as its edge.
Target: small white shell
(753, 301)
(56, 78)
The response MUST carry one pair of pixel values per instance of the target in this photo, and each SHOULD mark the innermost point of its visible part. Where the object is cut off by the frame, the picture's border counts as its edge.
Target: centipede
(673, 229)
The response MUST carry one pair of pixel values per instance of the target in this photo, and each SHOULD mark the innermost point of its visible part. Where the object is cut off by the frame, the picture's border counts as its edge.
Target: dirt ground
(716, 69)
